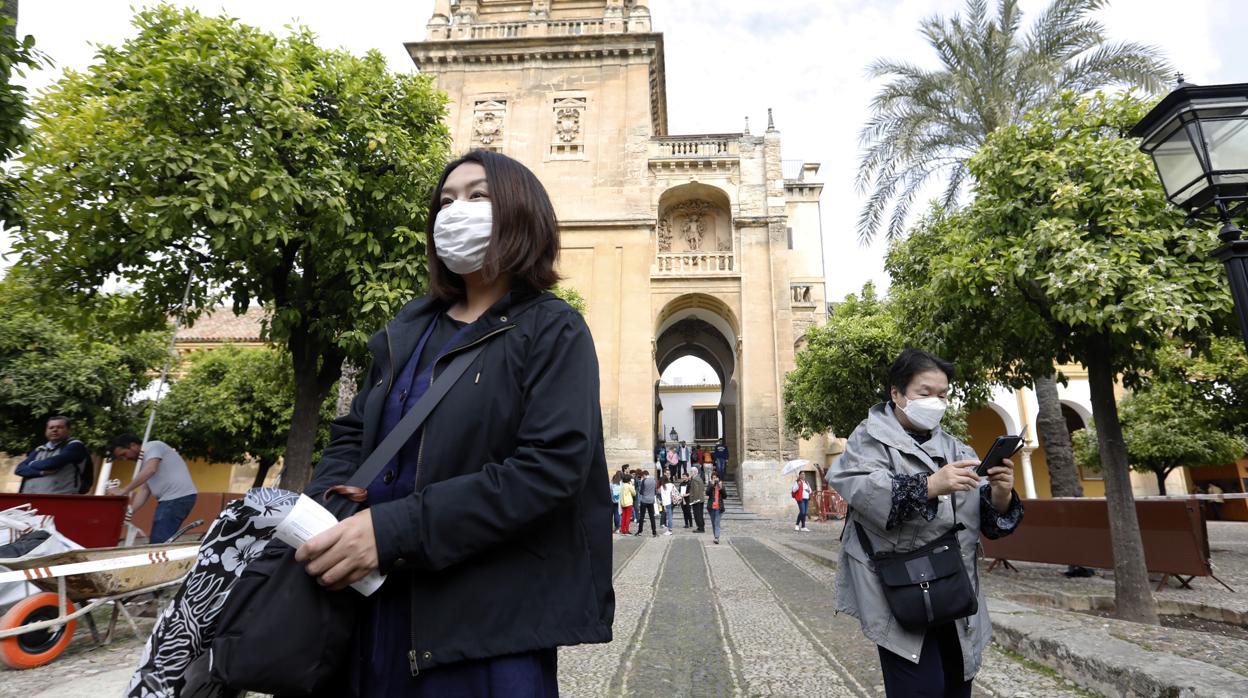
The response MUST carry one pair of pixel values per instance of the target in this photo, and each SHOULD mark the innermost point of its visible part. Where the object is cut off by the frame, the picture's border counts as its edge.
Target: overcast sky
(726, 59)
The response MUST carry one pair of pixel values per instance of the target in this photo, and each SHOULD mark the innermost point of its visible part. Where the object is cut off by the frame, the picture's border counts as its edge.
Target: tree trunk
(348, 388)
(1161, 481)
(315, 373)
(262, 471)
(1058, 453)
(1132, 593)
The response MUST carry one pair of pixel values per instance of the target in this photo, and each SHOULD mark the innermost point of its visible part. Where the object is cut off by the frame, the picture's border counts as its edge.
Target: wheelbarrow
(38, 628)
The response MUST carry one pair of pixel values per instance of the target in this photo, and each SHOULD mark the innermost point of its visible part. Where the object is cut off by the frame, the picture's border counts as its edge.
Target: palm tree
(928, 123)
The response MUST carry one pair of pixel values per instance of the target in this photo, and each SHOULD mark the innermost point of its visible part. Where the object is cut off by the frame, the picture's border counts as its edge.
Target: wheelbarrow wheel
(37, 647)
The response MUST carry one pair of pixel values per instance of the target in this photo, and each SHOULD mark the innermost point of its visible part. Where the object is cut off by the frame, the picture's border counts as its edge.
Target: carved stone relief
(569, 132)
(488, 121)
(692, 226)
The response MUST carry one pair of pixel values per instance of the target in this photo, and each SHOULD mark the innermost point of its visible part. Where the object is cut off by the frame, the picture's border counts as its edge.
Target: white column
(1029, 480)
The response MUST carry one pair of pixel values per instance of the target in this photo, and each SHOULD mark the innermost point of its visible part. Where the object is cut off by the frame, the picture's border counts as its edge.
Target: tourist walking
(801, 494)
(673, 462)
(686, 494)
(911, 486)
(627, 495)
(668, 495)
(697, 495)
(647, 491)
(498, 519)
(720, 456)
(715, 504)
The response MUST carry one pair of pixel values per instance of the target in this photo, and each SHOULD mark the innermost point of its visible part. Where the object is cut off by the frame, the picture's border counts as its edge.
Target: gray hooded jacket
(877, 450)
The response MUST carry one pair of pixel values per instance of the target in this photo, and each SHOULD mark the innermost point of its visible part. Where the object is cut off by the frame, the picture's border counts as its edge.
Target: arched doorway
(704, 328)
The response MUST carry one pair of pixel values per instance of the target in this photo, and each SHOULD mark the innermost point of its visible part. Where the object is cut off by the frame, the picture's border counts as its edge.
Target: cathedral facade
(703, 245)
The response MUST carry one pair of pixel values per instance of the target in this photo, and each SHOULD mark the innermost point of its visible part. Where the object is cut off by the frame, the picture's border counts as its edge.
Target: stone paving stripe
(592, 670)
(805, 590)
(679, 649)
(777, 659)
(622, 550)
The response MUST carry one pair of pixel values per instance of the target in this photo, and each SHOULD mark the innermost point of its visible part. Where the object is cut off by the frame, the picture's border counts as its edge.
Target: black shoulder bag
(279, 630)
(928, 586)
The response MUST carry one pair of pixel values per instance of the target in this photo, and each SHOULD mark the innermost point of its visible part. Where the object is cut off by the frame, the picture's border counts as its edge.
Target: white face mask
(461, 235)
(925, 412)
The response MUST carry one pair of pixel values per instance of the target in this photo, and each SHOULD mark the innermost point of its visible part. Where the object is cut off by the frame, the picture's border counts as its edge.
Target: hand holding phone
(1002, 448)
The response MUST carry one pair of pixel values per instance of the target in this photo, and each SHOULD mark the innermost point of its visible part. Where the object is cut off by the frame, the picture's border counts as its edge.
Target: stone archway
(702, 326)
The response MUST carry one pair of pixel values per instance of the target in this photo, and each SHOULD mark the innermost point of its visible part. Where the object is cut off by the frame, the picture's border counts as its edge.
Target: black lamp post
(1198, 139)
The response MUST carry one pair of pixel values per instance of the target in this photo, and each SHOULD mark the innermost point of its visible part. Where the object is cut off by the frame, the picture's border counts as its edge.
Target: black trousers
(697, 517)
(685, 509)
(938, 673)
(646, 509)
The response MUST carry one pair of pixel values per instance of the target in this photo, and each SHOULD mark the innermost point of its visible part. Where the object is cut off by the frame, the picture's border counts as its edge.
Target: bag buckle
(924, 585)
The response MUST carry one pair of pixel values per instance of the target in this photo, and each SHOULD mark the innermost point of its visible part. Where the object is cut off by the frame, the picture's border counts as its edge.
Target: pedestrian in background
(667, 497)
(686, 494)
(61, 465)
(647, 493)
(627, 494)
(908, 484)
(697, 495)
(715, 504)
(801, 494)
(615, 499)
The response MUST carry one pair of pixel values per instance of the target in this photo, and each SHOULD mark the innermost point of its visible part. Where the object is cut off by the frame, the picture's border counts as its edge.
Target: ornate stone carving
(568, 124)
(690, 218)
(487, 123)
(664, 231)
(801, 293)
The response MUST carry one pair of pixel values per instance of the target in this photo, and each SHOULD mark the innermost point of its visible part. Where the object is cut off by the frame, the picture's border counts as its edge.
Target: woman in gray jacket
(902, 477)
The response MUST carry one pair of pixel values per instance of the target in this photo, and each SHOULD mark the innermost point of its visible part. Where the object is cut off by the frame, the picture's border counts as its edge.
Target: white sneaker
(805, 529)
(667, 532)
(797, 528)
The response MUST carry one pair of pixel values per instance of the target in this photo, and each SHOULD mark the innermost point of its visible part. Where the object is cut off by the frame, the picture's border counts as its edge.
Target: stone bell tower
(700, 245)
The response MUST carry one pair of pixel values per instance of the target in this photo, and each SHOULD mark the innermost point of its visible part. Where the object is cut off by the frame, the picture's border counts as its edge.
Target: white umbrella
(794, 465)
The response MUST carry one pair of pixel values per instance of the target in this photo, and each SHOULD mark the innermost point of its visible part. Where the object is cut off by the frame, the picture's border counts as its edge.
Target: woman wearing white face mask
(910, 488)
(491, 523)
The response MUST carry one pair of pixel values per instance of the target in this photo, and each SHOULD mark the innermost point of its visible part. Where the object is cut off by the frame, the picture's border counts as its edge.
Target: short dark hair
(912, 361)
(123, 441)
(57, 418)
(524, 241)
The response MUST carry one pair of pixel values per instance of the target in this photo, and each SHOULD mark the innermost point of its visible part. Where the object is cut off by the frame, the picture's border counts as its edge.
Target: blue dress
(381, 668)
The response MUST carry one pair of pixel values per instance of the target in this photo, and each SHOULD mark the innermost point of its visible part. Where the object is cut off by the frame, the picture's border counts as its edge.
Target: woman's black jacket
(506, 539)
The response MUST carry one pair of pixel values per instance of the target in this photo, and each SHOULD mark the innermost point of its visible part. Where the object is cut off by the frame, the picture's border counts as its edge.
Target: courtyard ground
(754, 616)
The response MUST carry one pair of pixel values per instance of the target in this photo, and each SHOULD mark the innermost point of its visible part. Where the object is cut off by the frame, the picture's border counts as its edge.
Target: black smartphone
(1002, 448)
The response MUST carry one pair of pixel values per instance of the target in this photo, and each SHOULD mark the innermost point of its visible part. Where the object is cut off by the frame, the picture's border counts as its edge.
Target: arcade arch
(704, 327)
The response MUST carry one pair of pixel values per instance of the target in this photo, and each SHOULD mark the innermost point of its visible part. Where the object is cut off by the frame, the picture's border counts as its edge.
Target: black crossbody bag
(928, 586)
(279, 630)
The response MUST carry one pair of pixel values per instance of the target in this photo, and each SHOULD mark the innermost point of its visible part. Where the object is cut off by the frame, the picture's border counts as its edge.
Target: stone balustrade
(693, 263)
(511, 30)
(695, 147)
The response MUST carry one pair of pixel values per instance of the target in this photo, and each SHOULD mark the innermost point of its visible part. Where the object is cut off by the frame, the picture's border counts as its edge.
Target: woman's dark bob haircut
(524, 242)
(912, 361)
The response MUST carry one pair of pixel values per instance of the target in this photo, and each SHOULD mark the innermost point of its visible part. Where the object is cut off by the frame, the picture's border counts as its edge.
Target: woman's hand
(958, 476)
(1001, 479)
(344, 554)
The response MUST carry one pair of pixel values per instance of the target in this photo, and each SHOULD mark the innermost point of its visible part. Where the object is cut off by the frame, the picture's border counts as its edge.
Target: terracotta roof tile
(222, 325)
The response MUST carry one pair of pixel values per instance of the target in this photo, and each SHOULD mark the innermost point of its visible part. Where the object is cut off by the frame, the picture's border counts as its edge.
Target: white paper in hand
(306, 519)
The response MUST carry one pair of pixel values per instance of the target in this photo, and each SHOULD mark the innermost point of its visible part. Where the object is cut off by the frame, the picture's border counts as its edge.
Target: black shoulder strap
(413, 419)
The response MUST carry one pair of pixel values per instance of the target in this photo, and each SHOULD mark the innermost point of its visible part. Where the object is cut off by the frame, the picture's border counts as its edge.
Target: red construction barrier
(89, 521)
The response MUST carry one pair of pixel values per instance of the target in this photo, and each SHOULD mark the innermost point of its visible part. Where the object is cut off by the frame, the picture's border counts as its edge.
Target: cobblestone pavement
(750, 617)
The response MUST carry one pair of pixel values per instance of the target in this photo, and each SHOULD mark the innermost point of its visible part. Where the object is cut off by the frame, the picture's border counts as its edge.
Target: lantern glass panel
(1178, 165)
(1227, 140)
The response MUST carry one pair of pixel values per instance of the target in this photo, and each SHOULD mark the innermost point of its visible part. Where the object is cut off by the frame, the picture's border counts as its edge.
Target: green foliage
(231, 403)
(841, 371)
(1166, 425)
(52, 364)
(927, 123)
(1068, 242)
(572, 297)
(16, 55)
(1218, 376)
(279, 172)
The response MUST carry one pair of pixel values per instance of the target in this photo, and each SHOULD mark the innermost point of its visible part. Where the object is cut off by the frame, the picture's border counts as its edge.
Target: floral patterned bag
(187, 626)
